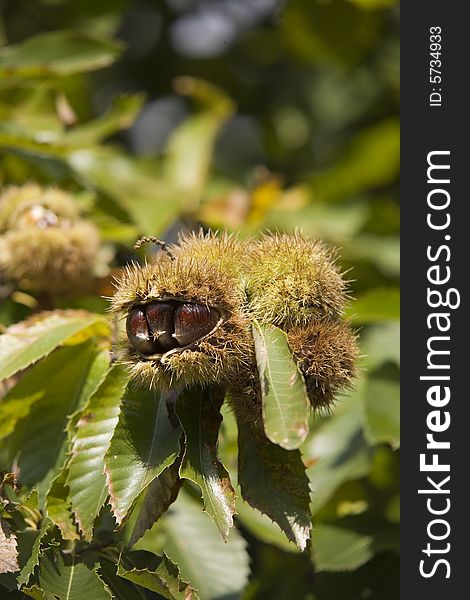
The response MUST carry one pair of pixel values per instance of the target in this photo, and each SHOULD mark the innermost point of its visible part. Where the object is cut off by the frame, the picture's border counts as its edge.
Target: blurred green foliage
(242, 115)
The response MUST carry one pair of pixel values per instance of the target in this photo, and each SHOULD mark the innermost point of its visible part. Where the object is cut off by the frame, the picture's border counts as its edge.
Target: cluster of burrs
(189, 314)
(44, 242)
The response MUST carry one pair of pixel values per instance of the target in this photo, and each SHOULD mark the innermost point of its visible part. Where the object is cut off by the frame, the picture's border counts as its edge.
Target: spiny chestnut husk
(44, 243)
(294, 283)
(189, 316)
(292, 279)
(184, 321)
(327, 354)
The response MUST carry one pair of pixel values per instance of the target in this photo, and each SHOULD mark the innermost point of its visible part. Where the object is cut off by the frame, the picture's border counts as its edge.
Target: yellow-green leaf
(199, 414)
(25, 343)
(285, 401)
(144, 443)
(93, 431)
(57, 53)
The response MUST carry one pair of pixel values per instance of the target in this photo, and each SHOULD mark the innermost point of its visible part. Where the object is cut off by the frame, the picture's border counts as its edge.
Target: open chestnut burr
(160, 326)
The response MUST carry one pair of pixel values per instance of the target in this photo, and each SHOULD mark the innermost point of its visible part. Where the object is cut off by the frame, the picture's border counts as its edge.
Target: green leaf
(25, 343)
(190, 147)
(121, 589)
(262, 527)
(337, 450)
(199, 414)
(8, 549)
(156, 573)
(145, 441)
(382, 410)
(383, 251)
(273, 480)
(73, 581)
(285, 401)
(57, 53)
(374, 4)
(321, 220)
(58, 507)
(323, 33)
(34, 592)
(121, 115)
(372, 160)
(379, 304)
(380, 344)
(53, 141)
(156, 499)
(65, 380)
(215, 569)
(29, 545)
(94, 429)
(339, 549)
(130, 184)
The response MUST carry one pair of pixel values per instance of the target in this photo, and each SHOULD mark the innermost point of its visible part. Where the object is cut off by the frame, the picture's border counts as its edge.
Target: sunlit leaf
(262, 527)
(215, 569)
(25, 343)
(199, 414)
(285, 402)
(121, 115)
(273, 480)
(338, 451)
(57, 53)
(382, 410)
(145, 441)
(34, 592)
(375, 305)
(383, 251)
(55, 141)
(156, 573)
(372, 160)
(189, 150)
(322, 220)
(64, 381)
(94, 428)
(339, 549)
(381, 343)
(374, 4)
(147, 199)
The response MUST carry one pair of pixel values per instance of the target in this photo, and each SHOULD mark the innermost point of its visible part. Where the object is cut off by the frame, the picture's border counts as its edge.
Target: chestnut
(160, 318)
(39, 216)
(138, 332)
(194, 321)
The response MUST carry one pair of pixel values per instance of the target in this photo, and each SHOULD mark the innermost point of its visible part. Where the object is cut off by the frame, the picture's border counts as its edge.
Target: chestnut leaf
(199, 413)
(25, 343)
(63, 382)
(93, 431)
(72, 580)
(155, 500)
(144, 443)
(274, 481)
(156, 573)
(217, 569)
(285, 403)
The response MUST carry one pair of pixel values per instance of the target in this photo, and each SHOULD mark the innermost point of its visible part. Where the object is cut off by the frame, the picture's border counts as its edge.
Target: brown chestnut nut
(194, 321)
(160, 318)
(138, 332)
